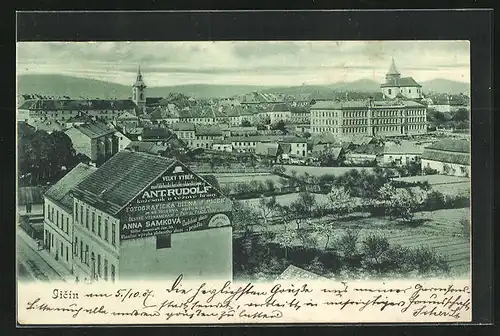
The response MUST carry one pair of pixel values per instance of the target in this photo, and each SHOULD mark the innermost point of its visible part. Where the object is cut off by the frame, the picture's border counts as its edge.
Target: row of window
(89, 221)
(355, 122)
(58, 218)
(100, 264)
(62, 249)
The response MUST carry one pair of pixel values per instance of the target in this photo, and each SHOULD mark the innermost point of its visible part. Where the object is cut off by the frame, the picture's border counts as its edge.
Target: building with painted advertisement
(150, 217)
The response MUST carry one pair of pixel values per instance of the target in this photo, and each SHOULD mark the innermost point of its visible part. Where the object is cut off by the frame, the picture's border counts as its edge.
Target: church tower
(139, 91)
(393, 73)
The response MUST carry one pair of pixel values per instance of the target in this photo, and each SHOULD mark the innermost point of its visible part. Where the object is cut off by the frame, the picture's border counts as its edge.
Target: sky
(268, 63)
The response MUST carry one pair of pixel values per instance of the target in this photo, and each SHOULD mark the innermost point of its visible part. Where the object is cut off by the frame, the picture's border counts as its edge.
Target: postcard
(223, 182)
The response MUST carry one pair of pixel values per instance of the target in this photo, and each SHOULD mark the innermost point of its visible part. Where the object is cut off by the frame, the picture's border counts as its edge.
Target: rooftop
(94, 129)
(60, 192)
(403, 148)
(78, 104)
(451, 145)
(401, 82)
(182, 126)
(120, 179)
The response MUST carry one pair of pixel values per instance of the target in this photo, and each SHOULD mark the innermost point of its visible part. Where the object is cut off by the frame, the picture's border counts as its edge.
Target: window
(99, 226)
(113, 234)
(93, 222)
(67, 253)
(163, 241)
(113, 273)
(81, 214)
(28, 207)
(105, 269)
(81, 251)
(57, 218)
(75, 247)
(62, 250)
(76, 212)
(99, 265)
(52, 240)
(87, 218)
(86, 254)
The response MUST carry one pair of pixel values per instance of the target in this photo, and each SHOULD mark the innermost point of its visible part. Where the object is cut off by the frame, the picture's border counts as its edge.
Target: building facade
(141, 216)
(95, 140)
(372, 118)
(59, 232)
(448, 157)
(139, 92)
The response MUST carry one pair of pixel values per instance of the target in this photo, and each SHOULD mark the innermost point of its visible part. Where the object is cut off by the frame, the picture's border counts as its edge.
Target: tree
(245, 123)
(401, 202)
(347, 245)
(339, 203)
(271, 186)
(244, 218)
(375, 250)
(303, 206)
(279, 126)
(267, 207)
(285, 239)
(461, 115)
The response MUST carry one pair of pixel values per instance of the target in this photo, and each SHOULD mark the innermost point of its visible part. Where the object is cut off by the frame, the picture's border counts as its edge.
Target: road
(31, 264)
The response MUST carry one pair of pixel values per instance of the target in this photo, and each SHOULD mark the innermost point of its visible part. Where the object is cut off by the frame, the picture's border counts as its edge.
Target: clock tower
(139, 91)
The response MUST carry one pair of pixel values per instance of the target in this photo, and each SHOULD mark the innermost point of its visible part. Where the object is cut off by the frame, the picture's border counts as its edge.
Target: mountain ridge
(75, 87)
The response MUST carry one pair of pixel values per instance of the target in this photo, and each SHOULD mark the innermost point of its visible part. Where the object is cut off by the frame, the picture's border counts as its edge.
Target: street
(31, 264)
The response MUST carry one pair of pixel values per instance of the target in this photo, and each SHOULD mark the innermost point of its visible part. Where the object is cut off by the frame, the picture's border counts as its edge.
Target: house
(206, 135)
(298, 146)
(147, 147)
(123, 141)
(95, 140)
(78, 120)
(448, 157)
(127, 120)
(146, 216)
(158, 135)
(30, 201)
(270, 151)
(401, 154)
(222, 145)
(59, 239)
(359, 158)
(185, 131)
(278, 112)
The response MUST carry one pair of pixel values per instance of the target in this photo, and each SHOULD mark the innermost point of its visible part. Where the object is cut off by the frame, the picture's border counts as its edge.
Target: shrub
(375, 256)
(426, 260)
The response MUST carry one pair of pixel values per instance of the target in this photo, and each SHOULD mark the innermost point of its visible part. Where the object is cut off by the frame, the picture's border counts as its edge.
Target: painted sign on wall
(177, 184)
(147, 228)
(178, 201)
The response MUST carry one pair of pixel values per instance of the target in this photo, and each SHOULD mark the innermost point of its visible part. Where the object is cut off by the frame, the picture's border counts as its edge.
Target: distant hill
(60, 85)
(445, 86)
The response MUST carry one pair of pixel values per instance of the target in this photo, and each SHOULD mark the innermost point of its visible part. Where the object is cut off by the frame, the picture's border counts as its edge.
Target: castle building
(139, 92)
(144, 216)
(397, 86)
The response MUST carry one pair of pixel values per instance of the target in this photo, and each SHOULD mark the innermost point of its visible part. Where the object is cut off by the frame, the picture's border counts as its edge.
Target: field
(318, 171)
(284, 199)
(439, 230)
(448, 185)
(225, 179)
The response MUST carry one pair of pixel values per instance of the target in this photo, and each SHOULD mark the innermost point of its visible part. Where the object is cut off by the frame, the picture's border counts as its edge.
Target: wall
(81, 143)
(98, 244)
(64, 257)
(454, 169)
(403, 158)
(199, 254)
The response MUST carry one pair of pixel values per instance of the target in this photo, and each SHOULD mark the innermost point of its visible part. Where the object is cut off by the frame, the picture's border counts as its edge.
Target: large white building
(58, 221)
(372, 118)
(150, 217)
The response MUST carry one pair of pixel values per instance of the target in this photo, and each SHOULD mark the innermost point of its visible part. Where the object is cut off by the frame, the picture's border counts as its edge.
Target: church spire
(392, 69)
(139, 82)
(393, 72)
